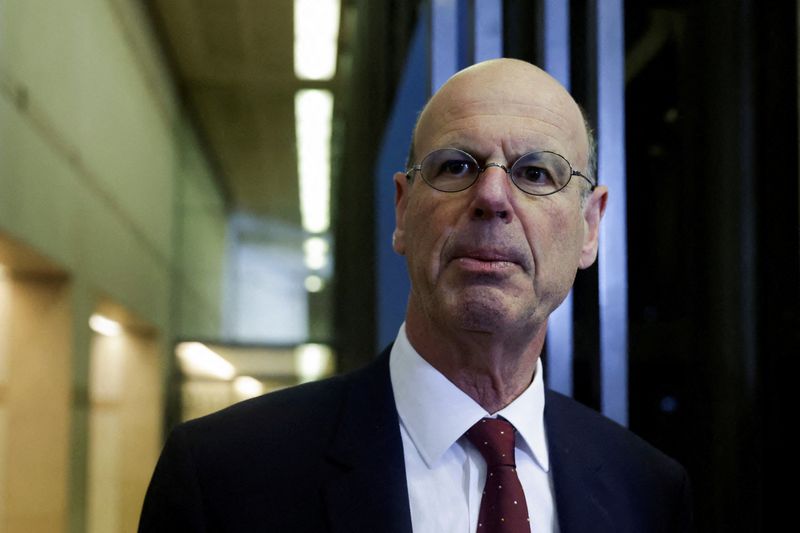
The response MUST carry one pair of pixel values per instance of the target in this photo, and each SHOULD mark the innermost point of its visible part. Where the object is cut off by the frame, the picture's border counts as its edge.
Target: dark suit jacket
(328, 457)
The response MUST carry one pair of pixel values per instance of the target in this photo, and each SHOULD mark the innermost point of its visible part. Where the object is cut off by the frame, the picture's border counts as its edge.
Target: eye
(533, 175)
(455, 168)
(449, 170)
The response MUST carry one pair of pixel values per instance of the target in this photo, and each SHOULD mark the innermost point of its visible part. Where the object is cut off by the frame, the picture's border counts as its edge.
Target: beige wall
(103, 179)
(124, 428)
(35, 398)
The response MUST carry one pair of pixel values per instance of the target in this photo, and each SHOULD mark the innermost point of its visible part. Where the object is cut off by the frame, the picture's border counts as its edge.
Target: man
(497, 212)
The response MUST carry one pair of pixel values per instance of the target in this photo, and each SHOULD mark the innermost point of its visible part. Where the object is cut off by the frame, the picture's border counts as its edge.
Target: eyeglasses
(535, 173)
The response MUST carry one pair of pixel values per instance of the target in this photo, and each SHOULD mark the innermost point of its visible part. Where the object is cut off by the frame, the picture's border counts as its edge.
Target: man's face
(491, 257)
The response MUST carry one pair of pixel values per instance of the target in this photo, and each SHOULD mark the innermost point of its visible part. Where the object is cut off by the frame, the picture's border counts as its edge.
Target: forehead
(487, 115)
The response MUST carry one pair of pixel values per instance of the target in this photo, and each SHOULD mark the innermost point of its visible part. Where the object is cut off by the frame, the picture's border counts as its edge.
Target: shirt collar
(436, 413)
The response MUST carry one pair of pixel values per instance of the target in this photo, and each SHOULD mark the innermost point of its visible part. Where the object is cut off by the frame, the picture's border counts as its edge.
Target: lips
(487, 257)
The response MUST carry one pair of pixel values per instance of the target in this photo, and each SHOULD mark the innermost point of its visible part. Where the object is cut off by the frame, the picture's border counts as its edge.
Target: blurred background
(196, 208)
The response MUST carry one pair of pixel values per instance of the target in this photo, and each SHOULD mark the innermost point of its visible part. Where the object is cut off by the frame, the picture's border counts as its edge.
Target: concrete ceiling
(233, 60)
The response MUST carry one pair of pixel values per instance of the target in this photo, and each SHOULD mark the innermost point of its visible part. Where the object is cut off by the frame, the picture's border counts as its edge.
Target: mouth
(487, 260)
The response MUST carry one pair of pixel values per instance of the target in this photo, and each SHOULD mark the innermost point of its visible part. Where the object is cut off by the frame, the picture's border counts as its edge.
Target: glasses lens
(541, 173)
(449, 170)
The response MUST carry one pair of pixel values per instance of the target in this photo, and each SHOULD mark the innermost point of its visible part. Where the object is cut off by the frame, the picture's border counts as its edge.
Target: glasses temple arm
(578, 173)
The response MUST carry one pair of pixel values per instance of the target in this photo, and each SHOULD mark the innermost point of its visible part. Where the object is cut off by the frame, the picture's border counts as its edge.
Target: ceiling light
(316, 32)
(199, 360)
(105, 326)
(248, 387)
(316, 252)
(313, 115)
(314, 283)
(312, 361)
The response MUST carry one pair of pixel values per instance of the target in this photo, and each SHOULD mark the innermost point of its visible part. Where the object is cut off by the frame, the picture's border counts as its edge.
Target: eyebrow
(477, 154)
(482, 160)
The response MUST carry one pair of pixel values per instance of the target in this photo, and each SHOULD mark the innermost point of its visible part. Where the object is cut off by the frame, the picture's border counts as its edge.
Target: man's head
(492, 258)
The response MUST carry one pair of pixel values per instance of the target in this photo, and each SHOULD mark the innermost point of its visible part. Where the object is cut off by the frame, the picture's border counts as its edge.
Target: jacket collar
(581, 493)
(369, 491)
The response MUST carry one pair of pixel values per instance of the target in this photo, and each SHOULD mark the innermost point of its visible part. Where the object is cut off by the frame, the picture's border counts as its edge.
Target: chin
(489, 315)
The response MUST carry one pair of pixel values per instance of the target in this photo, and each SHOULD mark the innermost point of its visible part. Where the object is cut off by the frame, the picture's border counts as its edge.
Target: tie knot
(494, 438)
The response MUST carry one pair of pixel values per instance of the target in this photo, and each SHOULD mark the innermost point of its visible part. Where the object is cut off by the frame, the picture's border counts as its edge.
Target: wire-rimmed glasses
(536, 173)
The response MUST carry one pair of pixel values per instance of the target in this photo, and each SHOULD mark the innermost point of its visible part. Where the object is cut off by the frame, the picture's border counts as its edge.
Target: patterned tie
(503, 506)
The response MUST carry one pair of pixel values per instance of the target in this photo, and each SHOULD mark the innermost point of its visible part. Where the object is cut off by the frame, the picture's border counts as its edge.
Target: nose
(491, 195)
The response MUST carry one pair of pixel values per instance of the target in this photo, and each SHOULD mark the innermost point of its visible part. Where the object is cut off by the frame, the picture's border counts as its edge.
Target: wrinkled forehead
(515, 114)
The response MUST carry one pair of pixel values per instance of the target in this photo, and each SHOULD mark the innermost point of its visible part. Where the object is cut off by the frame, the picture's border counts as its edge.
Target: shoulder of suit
(289, 415)
(613, 441)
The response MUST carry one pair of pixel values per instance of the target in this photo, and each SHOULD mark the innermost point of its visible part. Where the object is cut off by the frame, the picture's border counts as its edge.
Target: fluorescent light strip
(199, 360)
(314, 283)
(105, 326)
(316, 32)
(313, 115)
(312, 360)
(248, 387)
(316, 253)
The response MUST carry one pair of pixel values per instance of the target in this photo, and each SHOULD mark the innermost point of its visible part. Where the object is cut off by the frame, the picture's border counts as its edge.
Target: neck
(492, 368)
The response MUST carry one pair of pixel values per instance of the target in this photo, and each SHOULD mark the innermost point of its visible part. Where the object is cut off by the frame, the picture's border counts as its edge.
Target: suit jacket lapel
(580, 492)
(368, 490)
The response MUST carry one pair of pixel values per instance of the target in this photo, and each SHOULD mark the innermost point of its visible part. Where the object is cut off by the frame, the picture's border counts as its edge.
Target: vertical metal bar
(555, 15)
(465, 22)
(612, 268)
(560, 348)
(555, 54)
(488, 23)
(230, 279)
(444, 41)
(393, 286)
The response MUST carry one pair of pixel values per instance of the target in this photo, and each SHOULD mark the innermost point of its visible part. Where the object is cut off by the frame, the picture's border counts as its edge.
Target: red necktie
(503, 507)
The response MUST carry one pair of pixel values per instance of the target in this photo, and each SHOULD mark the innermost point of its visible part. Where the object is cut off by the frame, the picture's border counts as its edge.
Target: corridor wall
(102, 175)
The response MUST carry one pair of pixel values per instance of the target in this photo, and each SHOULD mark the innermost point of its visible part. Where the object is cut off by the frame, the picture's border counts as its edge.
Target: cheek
(428, 227)
(555, 237)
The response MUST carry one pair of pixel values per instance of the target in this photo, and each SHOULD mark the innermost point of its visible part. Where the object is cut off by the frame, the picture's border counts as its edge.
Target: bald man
(451, 428)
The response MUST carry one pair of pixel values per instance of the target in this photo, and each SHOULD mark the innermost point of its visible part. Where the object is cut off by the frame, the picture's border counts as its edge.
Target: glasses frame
(508, 170)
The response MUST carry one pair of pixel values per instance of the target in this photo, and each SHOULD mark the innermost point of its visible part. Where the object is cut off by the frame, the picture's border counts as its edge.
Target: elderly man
(451, 428)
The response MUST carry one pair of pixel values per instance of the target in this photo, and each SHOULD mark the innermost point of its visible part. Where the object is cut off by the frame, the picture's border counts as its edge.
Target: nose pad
(498, 165)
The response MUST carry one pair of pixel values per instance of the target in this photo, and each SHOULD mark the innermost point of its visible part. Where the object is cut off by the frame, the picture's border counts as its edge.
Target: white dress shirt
(444, 471)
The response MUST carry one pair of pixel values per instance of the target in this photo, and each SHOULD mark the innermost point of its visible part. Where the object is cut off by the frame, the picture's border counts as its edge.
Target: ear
(401, 190)
(593, 209)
